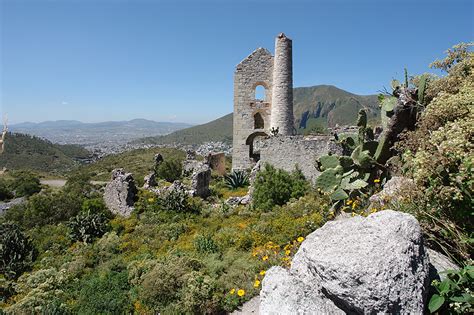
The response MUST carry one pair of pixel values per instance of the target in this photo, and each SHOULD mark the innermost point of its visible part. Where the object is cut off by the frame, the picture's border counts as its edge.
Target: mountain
(29, 152)
(72, 131)
(326, 105)
(315, 109)
(216, 130)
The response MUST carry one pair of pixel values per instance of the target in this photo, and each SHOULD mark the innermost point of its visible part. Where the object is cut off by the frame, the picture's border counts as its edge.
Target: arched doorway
(252, 142)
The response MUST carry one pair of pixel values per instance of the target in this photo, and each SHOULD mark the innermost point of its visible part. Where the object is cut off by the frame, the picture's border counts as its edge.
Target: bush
(276, 187)
(170, 170)
(16, 251)
(162, 285)
(438, 155)
(200, 294)
(45, 208)
(87, 226)
(5, 191)
(104, 294)
(25, 184)
(177, 200)
(205, 244)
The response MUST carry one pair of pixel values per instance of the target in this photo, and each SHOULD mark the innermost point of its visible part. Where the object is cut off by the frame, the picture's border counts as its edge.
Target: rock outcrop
(120, 193)
(392, 190)
(149, 181)
(359, 265)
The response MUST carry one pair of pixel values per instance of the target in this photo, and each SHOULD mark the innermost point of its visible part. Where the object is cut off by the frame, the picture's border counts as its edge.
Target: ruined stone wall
(255, 70)
(282, 93)
(285, 152)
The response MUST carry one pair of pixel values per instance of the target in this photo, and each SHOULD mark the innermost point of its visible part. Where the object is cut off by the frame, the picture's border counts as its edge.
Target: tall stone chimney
(282, 94)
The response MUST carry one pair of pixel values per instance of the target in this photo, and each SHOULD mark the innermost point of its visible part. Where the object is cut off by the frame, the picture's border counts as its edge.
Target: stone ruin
(264, 128)
(120, 193)
(216, 162)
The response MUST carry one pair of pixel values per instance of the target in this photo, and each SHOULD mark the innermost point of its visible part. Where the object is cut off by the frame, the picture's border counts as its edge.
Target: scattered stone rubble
(120, 193)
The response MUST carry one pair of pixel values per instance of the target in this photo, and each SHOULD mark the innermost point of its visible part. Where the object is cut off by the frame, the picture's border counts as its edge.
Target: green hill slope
(315, 109)
(326, 105)
(216, 130)
(33, 153)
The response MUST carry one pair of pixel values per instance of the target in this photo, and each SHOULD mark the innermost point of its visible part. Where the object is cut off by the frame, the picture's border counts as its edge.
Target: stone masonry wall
(285, 152)
(255, 70)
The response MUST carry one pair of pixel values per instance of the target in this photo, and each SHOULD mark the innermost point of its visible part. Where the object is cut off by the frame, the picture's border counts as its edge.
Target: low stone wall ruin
(285, 152)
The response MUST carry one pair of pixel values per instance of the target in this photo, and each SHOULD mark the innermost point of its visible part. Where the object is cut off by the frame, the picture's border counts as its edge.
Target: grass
(139, 162)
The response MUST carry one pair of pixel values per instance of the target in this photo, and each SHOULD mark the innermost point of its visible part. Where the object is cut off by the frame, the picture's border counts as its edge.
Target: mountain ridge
(315, 108)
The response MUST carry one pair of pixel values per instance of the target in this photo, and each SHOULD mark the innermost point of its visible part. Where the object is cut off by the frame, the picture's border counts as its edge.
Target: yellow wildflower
(265, 258)
(376, 180)
(232, 291)
(300, 239)
(354, 205)
(349, 202)
(241, 292)
(151, 199)
(287, 252)
(262, 273)
(256, 284)
(353, 214)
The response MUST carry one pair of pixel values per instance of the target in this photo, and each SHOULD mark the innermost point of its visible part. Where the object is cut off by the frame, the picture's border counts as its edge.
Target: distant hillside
(326, 105)
(72, 131)
(30, 152)
(216, 130)
(315, 109)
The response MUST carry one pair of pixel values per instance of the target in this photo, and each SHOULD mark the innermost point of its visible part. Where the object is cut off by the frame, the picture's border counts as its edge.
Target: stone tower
(282, 93)
(254, 118)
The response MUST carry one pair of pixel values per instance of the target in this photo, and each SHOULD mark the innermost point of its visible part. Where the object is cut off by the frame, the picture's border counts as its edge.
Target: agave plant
(236, 179)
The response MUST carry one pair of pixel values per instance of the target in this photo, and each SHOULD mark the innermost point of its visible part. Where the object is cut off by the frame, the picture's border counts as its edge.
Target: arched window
(258, 122)
(260, 92)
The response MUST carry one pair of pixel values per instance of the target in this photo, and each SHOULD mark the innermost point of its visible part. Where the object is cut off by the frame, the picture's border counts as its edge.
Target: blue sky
(97, 60)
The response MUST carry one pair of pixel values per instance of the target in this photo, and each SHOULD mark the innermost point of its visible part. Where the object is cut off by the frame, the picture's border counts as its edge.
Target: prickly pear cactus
(328, 180)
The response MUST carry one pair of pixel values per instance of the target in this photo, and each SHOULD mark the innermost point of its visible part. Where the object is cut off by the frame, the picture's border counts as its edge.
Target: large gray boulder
(358, 265)
(120, 193)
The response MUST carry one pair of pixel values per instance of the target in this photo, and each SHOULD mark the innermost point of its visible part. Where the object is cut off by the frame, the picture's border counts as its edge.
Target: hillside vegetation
(315, 109)
(64, 252)
(216, 130)
(29, 152)
(139, 162)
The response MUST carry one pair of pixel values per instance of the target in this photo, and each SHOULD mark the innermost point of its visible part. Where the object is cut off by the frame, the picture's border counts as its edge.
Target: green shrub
(24, 183)
(455, 293)
(205, 244)
(170, 170)
(276, 187)
(16, 251)
(103, 294)
(5, 191)
(46, 208)
(438, 155)
(87, 226)
(200, 294)
(163, 284)
(177, 200)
